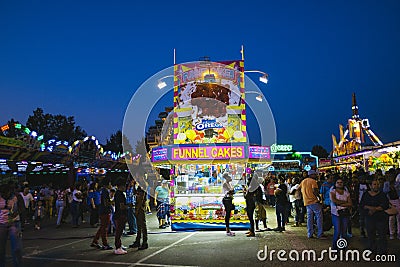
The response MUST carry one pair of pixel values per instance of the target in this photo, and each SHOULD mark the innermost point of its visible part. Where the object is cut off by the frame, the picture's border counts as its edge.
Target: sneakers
(323, 237)
(96, 245)
(162, 227)
(391, 237)
(143, 246)
(134, 245)
(107, 247)
(120, 251)
(230, 233)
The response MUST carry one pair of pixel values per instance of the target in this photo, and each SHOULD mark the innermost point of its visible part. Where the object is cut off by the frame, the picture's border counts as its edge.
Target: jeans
(314, 209)
(60, 208)
(75, 212)
(228, 210)
(13, 231)
(340, 225)
(300, 211)
(132, 220)
(281, 215)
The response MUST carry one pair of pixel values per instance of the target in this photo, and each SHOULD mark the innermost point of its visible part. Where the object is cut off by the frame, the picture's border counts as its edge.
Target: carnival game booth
(195, 194)
(382, 157)
(208, 136)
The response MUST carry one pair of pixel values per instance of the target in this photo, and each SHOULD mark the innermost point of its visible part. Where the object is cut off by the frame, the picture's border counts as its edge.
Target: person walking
(93, 200)
(311, 198)
(131, 202)
(281, 205)
(28, 204)
(298, 203)
(140, 214)
(61, 197)
(340, 209)
(104, 209)
(75, 206)
(249, 196)
(160, 200)
(119, 216)
(373, 203)
(227, 201)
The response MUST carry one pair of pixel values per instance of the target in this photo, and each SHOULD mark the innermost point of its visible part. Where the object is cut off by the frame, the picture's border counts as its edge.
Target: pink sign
(209, 152)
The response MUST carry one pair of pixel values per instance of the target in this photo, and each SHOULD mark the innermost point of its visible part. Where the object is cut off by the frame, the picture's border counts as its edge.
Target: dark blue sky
(86, 58)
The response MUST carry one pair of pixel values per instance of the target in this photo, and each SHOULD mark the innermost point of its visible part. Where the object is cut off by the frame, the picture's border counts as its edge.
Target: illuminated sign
(207, 124)
(209, 104)
(281, 148)
(209, 152)
(159, 154)
(259, 152)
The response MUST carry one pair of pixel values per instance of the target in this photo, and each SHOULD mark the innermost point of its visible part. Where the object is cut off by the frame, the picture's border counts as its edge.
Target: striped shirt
(8, 212)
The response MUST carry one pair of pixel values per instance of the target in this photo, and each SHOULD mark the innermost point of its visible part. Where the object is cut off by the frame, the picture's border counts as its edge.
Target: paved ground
(68, 246)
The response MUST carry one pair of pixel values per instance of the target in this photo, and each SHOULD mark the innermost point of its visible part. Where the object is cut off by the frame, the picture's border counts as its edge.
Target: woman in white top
(227, 201)
(340, 205)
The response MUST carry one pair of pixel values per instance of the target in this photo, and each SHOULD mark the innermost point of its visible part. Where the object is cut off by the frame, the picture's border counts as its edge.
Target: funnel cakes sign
(209, 103)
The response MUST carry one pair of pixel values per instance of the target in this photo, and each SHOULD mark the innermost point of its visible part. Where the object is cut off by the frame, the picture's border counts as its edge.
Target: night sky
(86, 58)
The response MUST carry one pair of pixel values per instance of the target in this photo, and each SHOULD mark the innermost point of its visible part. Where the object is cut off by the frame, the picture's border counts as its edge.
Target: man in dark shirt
(104, 209)
(119, 216)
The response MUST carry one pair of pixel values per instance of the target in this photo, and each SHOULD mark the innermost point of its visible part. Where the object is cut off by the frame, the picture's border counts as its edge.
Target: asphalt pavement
(67, 246)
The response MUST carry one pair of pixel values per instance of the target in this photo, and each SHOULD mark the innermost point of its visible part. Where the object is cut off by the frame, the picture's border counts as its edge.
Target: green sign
(281, 148)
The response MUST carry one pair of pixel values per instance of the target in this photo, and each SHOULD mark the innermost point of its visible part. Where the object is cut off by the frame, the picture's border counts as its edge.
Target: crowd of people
(319, 200)
(110, 206)
(322, 200)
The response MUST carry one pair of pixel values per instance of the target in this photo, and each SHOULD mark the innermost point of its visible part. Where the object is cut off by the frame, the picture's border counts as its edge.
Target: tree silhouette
(319, 151)
(58, 126)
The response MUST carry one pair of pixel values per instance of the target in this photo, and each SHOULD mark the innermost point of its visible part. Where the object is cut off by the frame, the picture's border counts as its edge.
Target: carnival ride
(352, 139)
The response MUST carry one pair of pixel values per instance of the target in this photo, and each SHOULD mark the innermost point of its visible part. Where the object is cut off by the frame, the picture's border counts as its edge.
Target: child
(39, 214)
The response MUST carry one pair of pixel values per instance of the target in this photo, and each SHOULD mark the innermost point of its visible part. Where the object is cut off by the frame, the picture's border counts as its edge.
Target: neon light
(26, 130)
(5, 127)
(40, 138)
(281, 148)
(18, 126)
(259, 152)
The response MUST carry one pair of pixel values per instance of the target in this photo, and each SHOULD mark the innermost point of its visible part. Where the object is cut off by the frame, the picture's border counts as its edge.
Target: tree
(319, 151)
(118, 143)
(12, 131)
(114, 144)
(58, 126)
(140, 148)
